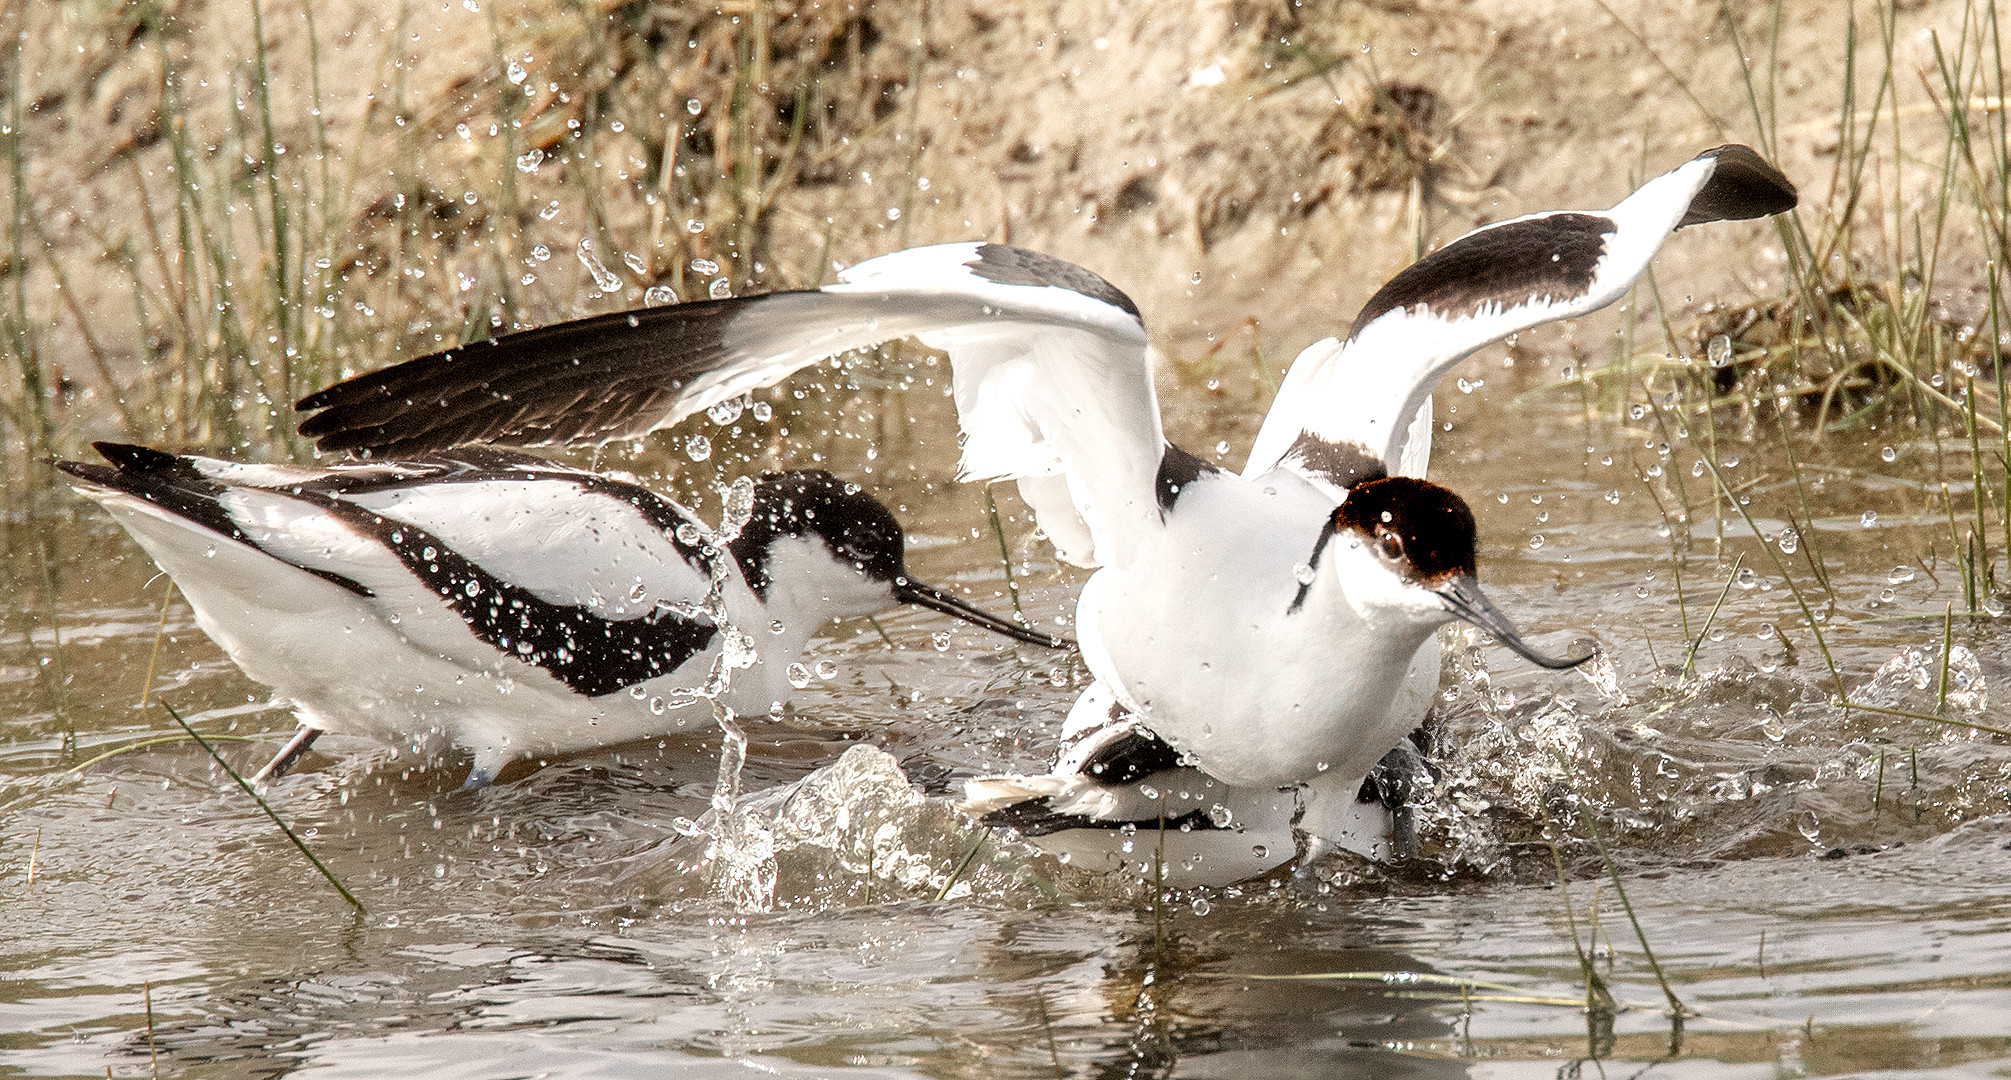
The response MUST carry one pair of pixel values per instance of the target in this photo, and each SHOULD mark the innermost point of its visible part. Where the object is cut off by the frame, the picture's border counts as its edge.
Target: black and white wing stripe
(1052, 378)
(1356, 408)
(576, 574)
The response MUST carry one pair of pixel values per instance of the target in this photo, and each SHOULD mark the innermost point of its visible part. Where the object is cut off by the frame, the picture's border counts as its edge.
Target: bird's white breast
(1198, 634)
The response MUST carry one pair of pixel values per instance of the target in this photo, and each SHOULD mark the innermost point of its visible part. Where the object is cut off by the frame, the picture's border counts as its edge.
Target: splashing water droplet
(634, 262)
(698, 448)
(1719, 351)
(529, 161)
(725, 412)
(604, 278)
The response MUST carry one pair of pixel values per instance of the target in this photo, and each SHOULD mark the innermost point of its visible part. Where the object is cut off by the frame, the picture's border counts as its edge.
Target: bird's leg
(288, 754)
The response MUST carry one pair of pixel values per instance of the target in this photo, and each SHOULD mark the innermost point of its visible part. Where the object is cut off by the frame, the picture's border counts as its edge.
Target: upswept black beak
(1462, 597)
(909, 591)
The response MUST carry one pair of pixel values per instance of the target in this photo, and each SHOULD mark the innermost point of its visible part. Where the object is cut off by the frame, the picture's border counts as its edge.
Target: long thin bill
(909, 591)
(1462, 596)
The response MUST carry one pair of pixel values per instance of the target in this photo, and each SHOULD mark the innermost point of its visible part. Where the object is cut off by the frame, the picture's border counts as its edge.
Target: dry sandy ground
(1217, 159)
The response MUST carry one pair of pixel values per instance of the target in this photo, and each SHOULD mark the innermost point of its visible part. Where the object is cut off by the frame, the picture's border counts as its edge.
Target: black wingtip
(1743, 186)
(133, 458)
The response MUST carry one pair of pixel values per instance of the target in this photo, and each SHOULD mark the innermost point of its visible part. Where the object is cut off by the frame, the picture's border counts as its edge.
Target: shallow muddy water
(1821, 888)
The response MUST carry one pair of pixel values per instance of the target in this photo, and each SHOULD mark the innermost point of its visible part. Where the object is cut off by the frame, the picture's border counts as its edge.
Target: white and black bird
(501, 605)
(1265, 629)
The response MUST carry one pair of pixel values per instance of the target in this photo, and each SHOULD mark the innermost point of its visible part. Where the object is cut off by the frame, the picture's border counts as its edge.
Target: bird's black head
(812, 502)
(1421, 531)
(1407, 553)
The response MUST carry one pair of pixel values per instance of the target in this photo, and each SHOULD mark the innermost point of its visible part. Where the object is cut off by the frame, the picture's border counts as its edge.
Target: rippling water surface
(1821, 888)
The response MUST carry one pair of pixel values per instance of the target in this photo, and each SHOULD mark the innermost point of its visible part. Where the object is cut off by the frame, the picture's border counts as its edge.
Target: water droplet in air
(634, 262)
(720, 289)
(517, 73)
(1220, 815)
(1810, 826)
(1303, 573)
(1260, 851)
(1888, 454)
(659, 295)
(1636, 412)
(550, 211)
(941, 640)
(693, 106)
(1749, 578)
(698, 448)
(799, 676)
(704, 266)
(725, 412)
(1201, 906)
(1869, 519)
(1790, 540)
(530, 160)
(604, 278)
(1719, 351)
(1900, 575)
(827, 669)
(1535, 541)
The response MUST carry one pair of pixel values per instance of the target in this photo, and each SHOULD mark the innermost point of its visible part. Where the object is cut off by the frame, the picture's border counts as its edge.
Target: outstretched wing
(1356, 408)
(1052, 379)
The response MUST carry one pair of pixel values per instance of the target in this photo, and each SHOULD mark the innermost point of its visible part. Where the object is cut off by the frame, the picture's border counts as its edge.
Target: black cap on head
(1426, 535)
(1425, 530)
(855, 526)
(812, 502)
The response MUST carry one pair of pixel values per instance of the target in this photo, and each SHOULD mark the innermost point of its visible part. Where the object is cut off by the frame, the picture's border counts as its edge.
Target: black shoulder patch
(1034, 818)
(590, 653)
(1554, 256)
(1177, 469)
(1131, 758)
(1742, 186)
(1346, 464)
(1017, 266)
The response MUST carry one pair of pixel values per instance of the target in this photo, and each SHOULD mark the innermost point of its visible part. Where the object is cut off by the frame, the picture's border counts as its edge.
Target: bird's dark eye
(1392, 547)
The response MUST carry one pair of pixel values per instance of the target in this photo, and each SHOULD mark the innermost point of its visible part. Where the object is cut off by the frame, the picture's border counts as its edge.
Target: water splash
(853, 830)
(605, 279)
